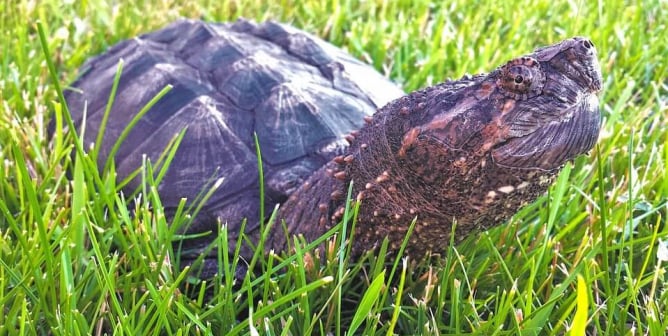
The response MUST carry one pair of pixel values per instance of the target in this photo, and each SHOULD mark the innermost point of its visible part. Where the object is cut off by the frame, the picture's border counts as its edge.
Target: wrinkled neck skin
(400, 173)
(309, 210)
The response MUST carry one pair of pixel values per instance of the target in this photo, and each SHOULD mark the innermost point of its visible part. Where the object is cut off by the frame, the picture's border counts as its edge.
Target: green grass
(74, 260)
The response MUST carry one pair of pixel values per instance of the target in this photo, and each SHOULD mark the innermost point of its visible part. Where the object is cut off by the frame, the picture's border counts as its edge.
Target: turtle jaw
(588, 69)
(550, 146)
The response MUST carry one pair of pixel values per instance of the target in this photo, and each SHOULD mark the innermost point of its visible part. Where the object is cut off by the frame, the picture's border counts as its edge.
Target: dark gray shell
(300, 95)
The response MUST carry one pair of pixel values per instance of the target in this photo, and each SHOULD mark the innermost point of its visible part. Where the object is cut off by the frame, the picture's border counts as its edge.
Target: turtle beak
(589, 67)
(586, 68)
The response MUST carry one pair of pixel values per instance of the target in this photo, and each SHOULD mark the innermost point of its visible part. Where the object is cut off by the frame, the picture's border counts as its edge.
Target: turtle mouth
(591, 75)
(589, 68)
(555, 143)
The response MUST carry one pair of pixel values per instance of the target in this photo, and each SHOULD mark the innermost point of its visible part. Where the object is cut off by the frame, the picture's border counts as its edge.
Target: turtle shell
(299, 94)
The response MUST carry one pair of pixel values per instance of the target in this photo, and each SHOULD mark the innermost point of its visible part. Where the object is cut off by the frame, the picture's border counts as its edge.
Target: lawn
(589, 256)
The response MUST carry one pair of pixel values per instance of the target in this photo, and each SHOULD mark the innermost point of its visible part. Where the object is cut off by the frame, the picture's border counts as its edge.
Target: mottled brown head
(536, 111)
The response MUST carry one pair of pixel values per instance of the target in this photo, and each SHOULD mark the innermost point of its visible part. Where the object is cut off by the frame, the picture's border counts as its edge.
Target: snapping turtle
(470, 151)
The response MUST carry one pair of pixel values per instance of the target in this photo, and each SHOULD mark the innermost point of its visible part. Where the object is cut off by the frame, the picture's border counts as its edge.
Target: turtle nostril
(587, 44)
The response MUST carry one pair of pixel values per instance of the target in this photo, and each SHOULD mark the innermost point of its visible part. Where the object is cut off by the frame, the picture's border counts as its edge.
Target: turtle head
(550, 105)
(536, 111)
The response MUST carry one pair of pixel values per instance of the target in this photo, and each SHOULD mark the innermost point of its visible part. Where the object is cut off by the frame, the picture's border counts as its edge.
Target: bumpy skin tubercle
(471, 151)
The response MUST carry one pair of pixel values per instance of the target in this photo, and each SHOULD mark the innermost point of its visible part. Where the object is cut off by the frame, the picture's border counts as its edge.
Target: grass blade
(369, 299)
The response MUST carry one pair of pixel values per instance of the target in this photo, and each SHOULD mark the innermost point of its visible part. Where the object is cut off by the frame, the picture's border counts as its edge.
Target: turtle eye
(521, 78)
